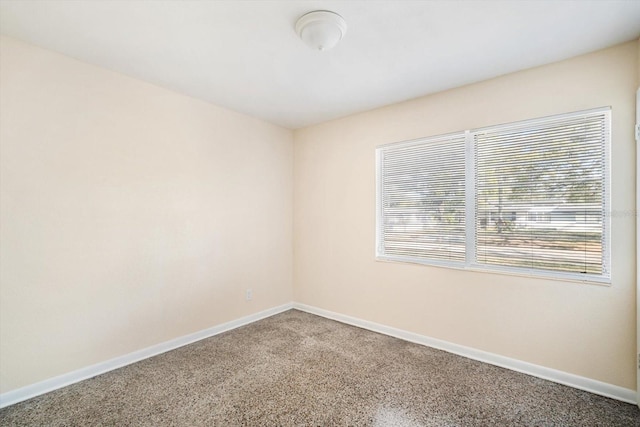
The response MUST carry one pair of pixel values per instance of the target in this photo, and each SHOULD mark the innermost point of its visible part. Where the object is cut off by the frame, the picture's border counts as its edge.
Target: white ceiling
(246, 56)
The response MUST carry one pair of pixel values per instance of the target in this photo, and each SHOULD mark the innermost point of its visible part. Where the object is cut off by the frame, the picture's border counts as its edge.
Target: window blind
(540, 194)
(422, 200)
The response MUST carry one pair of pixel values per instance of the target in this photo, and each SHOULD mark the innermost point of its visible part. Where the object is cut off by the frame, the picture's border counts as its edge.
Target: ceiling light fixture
(321, 29)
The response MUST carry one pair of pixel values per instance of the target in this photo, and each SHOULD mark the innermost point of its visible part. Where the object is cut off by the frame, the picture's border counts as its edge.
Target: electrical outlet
(249, 294)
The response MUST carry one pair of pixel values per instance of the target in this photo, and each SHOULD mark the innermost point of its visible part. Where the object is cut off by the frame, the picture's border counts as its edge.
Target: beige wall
(130, 215)
(637, 231)
(587, 330)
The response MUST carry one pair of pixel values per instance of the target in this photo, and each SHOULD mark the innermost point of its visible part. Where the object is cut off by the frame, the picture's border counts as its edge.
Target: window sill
(603, 281)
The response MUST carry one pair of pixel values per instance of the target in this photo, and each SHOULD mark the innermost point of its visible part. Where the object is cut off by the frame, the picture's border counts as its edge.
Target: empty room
(319, 213)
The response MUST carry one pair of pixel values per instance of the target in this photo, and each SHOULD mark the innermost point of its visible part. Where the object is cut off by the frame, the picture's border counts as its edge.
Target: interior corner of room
(135, 219)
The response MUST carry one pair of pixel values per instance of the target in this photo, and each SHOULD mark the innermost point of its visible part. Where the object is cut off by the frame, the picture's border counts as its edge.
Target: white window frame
(379, 196)
(470, 195)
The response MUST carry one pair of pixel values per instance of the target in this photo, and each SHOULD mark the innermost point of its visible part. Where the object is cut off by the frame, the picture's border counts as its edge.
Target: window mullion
(470, 200)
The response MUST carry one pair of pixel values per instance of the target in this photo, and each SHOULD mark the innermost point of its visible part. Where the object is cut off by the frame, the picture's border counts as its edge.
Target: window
(423, 199)
(526, 197)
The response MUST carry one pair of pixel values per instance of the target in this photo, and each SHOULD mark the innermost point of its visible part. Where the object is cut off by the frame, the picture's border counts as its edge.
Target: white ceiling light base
(321, 30)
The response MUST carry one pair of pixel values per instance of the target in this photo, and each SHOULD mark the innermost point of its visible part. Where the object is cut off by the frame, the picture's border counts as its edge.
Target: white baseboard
(565, 378)
(571, 380)
(33, 390)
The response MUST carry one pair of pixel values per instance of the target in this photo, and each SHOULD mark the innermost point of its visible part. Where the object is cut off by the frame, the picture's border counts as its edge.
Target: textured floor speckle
(296, 369)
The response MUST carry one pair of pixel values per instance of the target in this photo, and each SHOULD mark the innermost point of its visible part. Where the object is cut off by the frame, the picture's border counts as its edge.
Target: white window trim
(470, 264)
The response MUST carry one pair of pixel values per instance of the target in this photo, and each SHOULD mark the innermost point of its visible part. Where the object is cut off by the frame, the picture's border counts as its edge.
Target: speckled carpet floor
(296, 369)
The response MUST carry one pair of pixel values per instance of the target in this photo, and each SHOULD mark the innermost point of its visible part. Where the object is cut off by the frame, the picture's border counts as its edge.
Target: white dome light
(321, 30)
